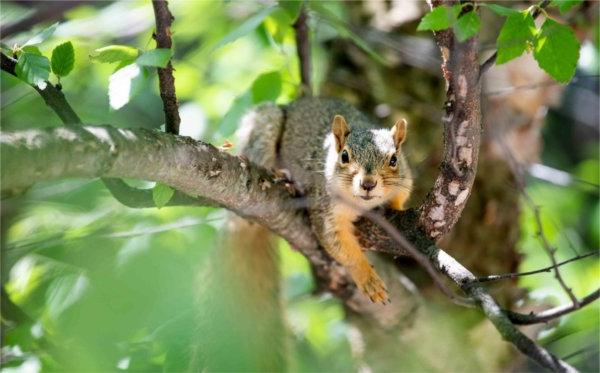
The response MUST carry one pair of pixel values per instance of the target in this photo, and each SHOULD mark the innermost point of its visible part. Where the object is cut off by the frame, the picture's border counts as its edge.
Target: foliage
(104, 287)
(554, 45)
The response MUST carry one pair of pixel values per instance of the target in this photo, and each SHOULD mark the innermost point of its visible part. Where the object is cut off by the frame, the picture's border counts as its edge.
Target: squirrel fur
(342, 161)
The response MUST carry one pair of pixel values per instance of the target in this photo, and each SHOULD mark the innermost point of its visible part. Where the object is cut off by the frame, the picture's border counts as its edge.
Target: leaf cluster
(554, 45)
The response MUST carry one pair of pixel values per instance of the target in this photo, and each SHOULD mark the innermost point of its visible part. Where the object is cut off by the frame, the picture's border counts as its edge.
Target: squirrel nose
(368, 185)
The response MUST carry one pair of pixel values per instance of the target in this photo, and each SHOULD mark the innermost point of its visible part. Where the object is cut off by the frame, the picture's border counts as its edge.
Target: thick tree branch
(462, 133)
(303, 50)
(164, 19)
(195, 168)
(127, 195)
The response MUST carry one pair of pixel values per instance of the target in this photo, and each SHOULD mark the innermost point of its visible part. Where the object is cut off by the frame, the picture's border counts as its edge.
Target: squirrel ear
(340, 131)
(399, 132)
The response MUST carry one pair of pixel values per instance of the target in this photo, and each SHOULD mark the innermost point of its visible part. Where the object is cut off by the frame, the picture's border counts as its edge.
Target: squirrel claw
(373, 287)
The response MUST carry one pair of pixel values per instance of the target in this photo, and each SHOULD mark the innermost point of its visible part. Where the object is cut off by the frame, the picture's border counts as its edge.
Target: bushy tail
(240, 314)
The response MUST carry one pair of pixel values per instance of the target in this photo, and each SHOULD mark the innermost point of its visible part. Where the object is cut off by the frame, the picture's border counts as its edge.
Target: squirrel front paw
(369, 282)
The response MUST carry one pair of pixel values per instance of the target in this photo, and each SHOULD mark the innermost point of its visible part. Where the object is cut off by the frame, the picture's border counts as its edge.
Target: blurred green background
(98, 286)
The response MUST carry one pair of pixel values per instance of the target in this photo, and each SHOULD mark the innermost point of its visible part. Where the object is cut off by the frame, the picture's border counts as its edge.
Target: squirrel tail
(240, 318)
(241, 323)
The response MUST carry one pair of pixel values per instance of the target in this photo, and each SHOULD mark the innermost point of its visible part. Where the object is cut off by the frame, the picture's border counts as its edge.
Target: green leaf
(556, 49)
(467, 26)
(42, 35)
(32, 67)
(266, 87)
(565, 5)
(500, 10)
(291, 7)
(123, 84)
(517, 33)
(63, 59)
(115, 53)
(64, 292)
(161, 194)
(247, 26)
(278, 24)
(232, 118)
(440, 18)
(156, 57)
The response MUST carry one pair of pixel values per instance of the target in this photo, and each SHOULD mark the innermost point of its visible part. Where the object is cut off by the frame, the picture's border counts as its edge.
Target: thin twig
(551, 251)
(410, 248)
(127, 195)
(164, 19)
(537, 10)
(52, 96)
(519, 171)
(303, 49)
(520, 274)
(551, 314)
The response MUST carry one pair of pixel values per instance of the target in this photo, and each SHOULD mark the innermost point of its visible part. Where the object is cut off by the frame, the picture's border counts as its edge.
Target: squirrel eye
(393, 161)
(345, 157)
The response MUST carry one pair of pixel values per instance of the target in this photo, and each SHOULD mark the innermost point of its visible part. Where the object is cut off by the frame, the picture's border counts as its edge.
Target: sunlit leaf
(467, 26)
(557, 50)
(232, 118)
(155, 57)
(266, 87)
(42, 35)
(114, 53)
(162, 194)
(291, 7)
(121, 85)
(517, 33)
(64, 292)
(32, 67)
(440, 18)
(63, 59)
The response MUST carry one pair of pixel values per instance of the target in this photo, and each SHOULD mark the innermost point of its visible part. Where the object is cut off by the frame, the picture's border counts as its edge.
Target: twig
(303, 49)
(164, 19)
(468, 283)
(519, 171)
(400, 240)
(127, 195)
(551, 251)
(520, 274)
(52, 96)
(553, 313)
(537, 10)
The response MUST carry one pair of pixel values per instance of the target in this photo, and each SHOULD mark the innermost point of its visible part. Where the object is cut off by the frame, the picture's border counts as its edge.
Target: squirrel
(344, 163)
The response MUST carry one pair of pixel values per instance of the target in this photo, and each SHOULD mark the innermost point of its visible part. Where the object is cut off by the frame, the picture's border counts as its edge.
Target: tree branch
(193, 167)
(551, 314)
(53, 97)
(303, 50)
(164, 19)
(541, 270)
(462, 135)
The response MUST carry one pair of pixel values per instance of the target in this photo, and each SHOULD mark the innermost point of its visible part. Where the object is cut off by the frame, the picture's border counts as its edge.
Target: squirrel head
(367, 165)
